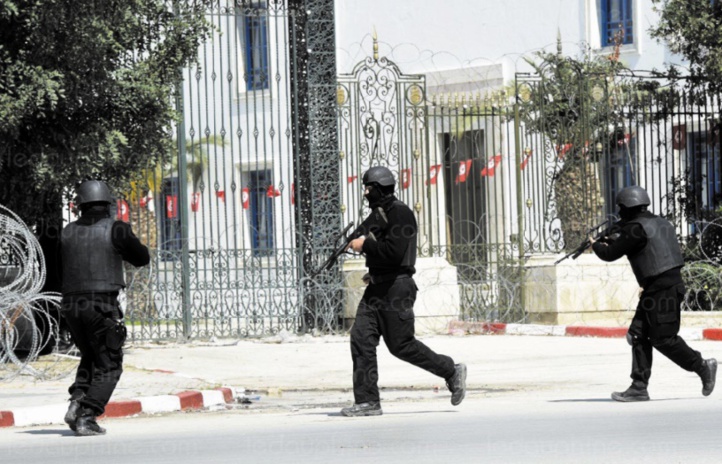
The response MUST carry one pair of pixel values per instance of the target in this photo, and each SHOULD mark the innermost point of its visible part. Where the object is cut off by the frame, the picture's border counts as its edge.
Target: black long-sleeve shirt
(385, 253)
(631, 240)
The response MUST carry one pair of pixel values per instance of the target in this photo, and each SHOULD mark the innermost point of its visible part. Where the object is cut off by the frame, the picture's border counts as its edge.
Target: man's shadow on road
(61, 432)
(609, 400)
(400, 413)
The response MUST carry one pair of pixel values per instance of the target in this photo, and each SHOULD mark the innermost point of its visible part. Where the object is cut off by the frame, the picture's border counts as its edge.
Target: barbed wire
(27, 327)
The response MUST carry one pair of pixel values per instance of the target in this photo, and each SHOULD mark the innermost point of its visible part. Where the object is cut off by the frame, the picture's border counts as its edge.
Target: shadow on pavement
(62, 432)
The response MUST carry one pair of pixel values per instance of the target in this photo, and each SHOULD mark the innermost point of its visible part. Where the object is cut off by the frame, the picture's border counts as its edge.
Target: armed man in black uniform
(650, 243)
(386, 308)
(92, 252)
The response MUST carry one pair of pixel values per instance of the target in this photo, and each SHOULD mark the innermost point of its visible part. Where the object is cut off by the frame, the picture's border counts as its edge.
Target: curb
(500, 328)
(183, 401)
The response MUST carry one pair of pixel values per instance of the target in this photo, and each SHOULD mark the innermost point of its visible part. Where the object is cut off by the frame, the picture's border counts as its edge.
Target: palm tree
(146, 222)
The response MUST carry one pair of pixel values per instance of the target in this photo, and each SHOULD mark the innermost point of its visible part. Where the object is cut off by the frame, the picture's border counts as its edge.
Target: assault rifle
(609, 230)
(376, 222)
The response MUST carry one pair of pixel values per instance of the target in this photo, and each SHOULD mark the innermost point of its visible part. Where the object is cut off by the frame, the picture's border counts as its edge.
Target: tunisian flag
(123, 211)
(405, 178)
(272, 192)
(679, 137)
(490, 168)
(433, 174)
(195, 201)
(245, 197)
(171, 206)
(464, 167)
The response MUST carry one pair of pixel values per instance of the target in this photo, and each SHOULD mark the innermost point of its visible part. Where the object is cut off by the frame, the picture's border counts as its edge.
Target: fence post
(183, 209)
(519, 202)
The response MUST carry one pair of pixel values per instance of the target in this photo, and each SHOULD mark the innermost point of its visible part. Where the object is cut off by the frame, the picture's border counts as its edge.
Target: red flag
(433, 174)
(222, 195)
(527, 157)
(352, 178)
(293, 194)
(245, 197)
(463, 171)
(171, 206)
(195, 201)
(490, 168)
(405, 178)
(272, 192)
(564, 149)
(123, 211)
(679, 137)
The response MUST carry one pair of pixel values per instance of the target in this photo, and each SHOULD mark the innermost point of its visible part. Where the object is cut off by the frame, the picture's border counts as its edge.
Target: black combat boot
(457, 384)
(87, 426)
(71, 416)
(633, 393)
(708, 375)
(363, 409)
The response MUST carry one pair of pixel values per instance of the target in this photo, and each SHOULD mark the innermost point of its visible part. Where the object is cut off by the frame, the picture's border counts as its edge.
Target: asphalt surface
(302, 369)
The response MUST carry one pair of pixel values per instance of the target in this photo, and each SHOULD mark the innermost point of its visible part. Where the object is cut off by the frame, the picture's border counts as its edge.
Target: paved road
(418, 427)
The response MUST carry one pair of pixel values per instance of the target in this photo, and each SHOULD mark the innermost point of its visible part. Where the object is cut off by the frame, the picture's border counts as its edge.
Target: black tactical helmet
(633, 196)
(379, 175)
(92, 191)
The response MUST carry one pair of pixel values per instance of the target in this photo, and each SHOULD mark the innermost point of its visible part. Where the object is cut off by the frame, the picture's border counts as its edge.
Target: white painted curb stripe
(691, 333)
(40, 415)
(212, 397)
(535, 329)
(160, 403)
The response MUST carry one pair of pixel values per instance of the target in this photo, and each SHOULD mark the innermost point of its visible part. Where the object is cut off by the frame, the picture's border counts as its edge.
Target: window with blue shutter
(256, 49)
(261, 213)
(616, 15)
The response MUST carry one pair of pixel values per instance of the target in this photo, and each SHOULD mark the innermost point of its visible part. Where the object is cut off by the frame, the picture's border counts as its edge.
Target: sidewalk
(298, 369)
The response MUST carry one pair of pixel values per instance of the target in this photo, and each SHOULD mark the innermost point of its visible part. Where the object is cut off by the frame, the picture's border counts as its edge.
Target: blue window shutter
(256, 52)
(262, 239)
(613, 15)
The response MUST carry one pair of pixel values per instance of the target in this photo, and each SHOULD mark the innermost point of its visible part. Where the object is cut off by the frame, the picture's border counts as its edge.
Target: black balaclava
(95, 209)
(377, 194)
(627, 214)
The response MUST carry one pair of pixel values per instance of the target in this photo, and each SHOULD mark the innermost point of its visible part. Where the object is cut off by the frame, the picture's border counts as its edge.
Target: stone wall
(585, 291)
(437, 303)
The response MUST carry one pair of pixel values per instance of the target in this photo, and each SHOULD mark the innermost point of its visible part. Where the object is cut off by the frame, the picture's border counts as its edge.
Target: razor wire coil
(26, 323)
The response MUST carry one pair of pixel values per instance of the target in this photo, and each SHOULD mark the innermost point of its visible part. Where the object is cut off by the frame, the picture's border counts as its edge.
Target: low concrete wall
(584, 291)
(437, 303)
(589, 291)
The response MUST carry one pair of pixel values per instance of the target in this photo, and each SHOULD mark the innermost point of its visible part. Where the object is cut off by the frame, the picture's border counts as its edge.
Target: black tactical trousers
(655, 325)
(97, 331)
(386, 309)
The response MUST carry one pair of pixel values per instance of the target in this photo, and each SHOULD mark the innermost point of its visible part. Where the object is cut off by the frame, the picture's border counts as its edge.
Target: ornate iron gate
(453, 158)
(232, 220)
(263, 180)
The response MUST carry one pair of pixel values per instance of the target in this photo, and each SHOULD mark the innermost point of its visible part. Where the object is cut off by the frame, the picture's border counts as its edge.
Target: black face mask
(625, 214)
(374, 196)
(95, 209)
